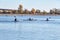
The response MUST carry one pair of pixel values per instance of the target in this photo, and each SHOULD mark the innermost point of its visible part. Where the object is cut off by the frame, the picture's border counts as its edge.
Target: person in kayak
(15, 19)
(47, 19)
(30, 19)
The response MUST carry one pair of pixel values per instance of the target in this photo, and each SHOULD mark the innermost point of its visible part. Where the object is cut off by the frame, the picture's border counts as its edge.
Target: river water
(30, 30)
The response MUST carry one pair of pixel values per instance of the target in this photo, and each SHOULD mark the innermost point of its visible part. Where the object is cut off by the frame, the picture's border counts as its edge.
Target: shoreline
(29, 14)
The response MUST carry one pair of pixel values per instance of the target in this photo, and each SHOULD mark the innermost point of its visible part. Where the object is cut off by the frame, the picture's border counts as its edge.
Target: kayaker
(47, 19)
(30, 19)
(15, 19)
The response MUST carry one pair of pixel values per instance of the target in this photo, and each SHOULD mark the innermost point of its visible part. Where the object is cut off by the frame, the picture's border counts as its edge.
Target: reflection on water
(30, 30)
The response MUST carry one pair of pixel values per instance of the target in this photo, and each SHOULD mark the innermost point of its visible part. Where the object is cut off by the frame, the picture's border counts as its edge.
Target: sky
(29, 4)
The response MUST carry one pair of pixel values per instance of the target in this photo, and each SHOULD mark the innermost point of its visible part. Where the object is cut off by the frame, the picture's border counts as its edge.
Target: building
(7, 11)
(55, 11)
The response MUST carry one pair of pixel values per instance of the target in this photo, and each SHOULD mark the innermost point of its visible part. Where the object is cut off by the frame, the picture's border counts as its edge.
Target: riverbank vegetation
(32, 11)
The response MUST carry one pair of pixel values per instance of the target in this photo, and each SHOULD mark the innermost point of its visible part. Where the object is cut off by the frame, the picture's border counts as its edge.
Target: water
(30, 30)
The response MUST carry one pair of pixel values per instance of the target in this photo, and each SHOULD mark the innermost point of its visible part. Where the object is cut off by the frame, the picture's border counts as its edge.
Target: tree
(54, 11)
(44, 12)
(14, 11)
(51, 12)
(26, 11)
(20, 9)
(37, 11)
(33, 11)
